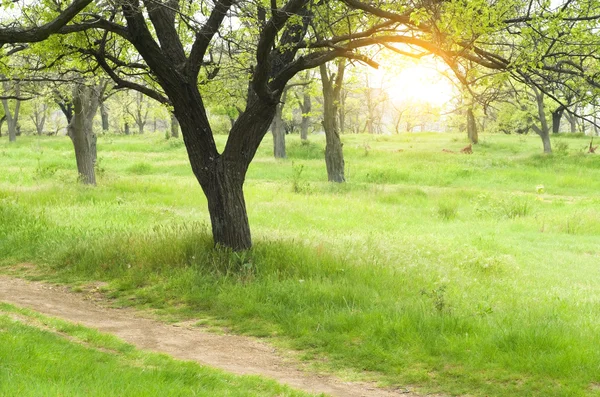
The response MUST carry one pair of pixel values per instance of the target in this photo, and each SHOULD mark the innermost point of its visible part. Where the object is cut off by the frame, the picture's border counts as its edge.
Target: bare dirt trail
(236, 354)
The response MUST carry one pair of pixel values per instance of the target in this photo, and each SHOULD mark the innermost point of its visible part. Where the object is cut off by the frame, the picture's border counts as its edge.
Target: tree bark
(223, 188)
(334, 155)
(80, 130)
(472, 127)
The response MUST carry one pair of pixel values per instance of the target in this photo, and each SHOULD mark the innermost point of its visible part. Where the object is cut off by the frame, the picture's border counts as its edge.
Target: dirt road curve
(235, 354)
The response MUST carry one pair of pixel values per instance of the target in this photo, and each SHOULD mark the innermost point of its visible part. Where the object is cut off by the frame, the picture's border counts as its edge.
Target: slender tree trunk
(141, 128)
(80, 130)
(306, 108)
(342, 111)
(572, 122)
(174, 127)
(334, 155)
(278, 128)
(556, 118)
(544, 131)
(12, 118)
(472, 127)
(278, 133)
(104, 116)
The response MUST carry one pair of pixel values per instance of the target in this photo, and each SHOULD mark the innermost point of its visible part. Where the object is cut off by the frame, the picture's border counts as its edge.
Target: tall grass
(452, 273)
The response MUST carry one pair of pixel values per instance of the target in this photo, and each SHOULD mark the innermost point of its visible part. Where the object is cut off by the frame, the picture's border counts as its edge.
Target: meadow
(459, 274)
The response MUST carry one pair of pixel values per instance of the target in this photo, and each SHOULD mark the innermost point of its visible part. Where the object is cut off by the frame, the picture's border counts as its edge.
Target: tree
(139, 113)
(332, 86)
(12, 91)
(86, 100)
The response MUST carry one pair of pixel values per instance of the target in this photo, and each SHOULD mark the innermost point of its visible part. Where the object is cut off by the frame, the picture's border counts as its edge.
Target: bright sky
(418, 81)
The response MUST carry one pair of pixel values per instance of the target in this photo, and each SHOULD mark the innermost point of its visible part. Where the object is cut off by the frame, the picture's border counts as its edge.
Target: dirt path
(236, 354)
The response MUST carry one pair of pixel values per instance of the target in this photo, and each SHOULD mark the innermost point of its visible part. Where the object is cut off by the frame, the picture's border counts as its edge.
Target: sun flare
(415, 82)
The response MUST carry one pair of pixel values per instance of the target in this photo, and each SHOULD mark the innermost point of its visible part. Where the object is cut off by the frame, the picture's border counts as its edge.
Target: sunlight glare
(418, 82)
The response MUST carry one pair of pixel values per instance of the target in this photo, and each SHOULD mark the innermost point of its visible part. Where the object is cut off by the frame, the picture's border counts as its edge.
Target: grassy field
(469, 275)
(40, 356)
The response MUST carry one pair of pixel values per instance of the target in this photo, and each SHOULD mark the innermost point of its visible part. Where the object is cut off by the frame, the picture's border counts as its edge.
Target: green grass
(452, 273)
(41, 356)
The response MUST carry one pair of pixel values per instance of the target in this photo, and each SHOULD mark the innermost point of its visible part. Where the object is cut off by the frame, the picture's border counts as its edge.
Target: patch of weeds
(44, 171)
(305, 150)
(438, 298)
(516, 207)
(298, 185)
(99, 167)
(366, 148)
(447, 210)
(140, 168)
(561, 148)
(510, 207)
(175, 143)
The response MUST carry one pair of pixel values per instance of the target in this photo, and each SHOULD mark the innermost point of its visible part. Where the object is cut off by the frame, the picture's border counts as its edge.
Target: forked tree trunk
(334, 155)
(543, 131)
(222, 176)
(174, 127)
(81, 132)
(472, 127)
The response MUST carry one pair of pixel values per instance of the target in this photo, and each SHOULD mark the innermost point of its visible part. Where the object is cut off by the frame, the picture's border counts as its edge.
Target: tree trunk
(572, 122)
(126, 129)
(227, 208)
(306, 108)
(278, 133)
(80, 130)
(12, 118)
(334, 155)
(141, 128)
(104, 116)
(221, 176)
(544, 131)
(556, 118)
(342, 111)
(472, 127)
(174, 127)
